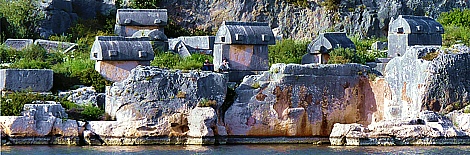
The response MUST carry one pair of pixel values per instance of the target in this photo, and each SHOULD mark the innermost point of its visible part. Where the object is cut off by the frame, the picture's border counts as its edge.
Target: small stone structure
(245, 46)
(116, 56)
(52, 46)
(186, 45)
(406, 31)
(319, 49)
(18, 44)
(130, 21)
(158, 38)
(38, 80)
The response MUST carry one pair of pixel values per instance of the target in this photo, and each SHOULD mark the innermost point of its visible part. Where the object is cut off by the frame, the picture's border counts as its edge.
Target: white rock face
(202, 121)
(85, 95)
(39, 120)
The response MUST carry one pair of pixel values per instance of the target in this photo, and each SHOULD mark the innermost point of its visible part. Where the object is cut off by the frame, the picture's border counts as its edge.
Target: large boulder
(301, 100)
(39, 120)
(202, 121)
(426, 78)
(85, 95)
(152, 96)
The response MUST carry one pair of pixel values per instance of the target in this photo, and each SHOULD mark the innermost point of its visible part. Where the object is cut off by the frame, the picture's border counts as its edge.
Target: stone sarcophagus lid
(18, 44)
(116, 56)
(244, 45)
(129, 21)
(319, 49)
(407, 31)
(37, 80)
(187, 45)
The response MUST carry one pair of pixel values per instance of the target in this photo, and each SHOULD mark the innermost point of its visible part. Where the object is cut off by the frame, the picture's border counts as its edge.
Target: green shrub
(287, 51)
(344, 55)
(255, 85)
(22, 16)
(331, 5)
(207, 103)
(92, 113)
(12, 103)
(299, 3)
(456, 24)
(174, 61)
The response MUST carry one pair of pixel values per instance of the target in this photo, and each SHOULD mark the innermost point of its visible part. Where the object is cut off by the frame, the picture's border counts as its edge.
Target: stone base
(388, 141)
(48, 140)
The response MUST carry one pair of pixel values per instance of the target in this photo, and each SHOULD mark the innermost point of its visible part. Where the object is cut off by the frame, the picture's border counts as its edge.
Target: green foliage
(32, 57)
(456, 25)
(255, 85)
(207, 103)
(144, 4)
(22, 16)
(92, 113)
(12, 103)
(363, 49)
(343, 56)
(174, 61)
(299, 3)
(331, 5)
(174, 30)
(287, 51)
(430, 56)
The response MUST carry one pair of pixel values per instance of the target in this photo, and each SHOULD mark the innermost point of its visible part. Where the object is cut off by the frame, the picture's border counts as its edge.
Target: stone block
(242, 57)
(117, 70)
(38, 80)
(128, 30)
(44, 111)
(378, 46)
(245, 33)
(142, 17)
(121, 49)
(18, 44)
(329, 41)
(52, 46)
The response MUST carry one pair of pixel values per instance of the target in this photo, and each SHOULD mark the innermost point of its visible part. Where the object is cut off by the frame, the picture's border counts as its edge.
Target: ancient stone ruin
(407, 31)
(18, 44)
(130, 21)
(319, 49)
(245, 46)
(116, 56)
(186, 45)
(37, 80)
(59, 46)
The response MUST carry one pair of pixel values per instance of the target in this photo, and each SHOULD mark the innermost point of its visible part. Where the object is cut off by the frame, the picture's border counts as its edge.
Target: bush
(343, 56)
(92, 113)
(456, 25)
(12, 103)
(174, 61)
(22, 16)
(299, 3)
(331, 5)
(287, 51)
(207, 103)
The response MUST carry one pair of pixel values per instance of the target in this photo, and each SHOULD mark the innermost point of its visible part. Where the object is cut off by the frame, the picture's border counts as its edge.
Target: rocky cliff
(301, 100)
(365, 17)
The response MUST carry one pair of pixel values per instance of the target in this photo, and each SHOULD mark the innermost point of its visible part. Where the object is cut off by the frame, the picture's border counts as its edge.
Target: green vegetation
(174, 61)
(12, 103)
(456, 24)
(255, 85)
(287, 51)
(207, 103)
(299, 3)
(22, 17)
(331, 5)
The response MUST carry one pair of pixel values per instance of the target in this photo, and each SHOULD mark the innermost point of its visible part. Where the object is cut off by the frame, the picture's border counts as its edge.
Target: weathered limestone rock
(38, 80)
(301, 100)
(52, 46)
(203, 122)
(40, 124)
(340, 131)
(417, 84)
(18, 44)
(85, 95)
(152, 96)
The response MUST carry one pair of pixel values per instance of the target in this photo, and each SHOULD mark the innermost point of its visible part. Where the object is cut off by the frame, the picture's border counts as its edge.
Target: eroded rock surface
(301, 100)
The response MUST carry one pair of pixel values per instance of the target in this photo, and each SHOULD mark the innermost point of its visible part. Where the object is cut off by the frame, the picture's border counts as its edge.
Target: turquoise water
(235, 149)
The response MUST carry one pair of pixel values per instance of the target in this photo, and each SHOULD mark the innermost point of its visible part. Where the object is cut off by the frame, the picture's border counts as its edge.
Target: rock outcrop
(365, 18)
(400, 132)
(85, 95)
(301, 100)
(40, 124)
